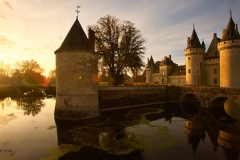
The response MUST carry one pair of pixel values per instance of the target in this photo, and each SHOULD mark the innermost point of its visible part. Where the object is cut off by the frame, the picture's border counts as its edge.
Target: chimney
(188, 41)
(169, 56)
(214, 35)
(223, 32)
(91, 40)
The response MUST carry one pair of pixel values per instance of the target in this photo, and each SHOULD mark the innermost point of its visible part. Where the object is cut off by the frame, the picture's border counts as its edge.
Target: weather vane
(230, 12)
(77, 11)
(193, 26)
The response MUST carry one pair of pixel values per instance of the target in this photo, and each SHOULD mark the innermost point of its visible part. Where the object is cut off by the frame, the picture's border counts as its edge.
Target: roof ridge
(230, 32)
(76, 39)
(194, 42)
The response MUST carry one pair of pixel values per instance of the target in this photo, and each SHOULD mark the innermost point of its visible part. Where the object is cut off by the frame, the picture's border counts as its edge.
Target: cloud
(8, 5)
(3, 17)
(30, 51)
(5, 42)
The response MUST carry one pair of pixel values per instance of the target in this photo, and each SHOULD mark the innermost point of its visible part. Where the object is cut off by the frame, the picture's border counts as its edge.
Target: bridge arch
(190, 103)
(217, 101)
(189, 97)
(225, 109)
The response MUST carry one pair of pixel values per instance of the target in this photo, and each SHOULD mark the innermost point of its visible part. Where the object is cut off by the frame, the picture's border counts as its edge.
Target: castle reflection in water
(222, 129)
(143, 133)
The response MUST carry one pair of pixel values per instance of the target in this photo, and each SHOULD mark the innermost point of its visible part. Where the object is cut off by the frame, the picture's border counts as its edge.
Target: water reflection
(7, 102)
(104, 138)
(31, 106)
(230, 144)
(195, 131)
(223, 132)
(232, 109)
(154, 132)
(122, 135)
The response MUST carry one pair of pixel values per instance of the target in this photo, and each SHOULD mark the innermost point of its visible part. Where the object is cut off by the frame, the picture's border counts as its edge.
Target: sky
(34, 29)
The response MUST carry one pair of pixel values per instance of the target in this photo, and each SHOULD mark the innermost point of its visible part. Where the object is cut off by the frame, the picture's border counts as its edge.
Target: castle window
(163, 74)
(188, 58)
(200, 64)
(179, 81)
(197, 71)
(214, 70)
(215, 80)
(189, 71)
(197, 81)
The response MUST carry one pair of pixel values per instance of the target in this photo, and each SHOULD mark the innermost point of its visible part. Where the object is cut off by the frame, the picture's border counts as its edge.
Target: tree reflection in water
(7, 102)
(31, 106)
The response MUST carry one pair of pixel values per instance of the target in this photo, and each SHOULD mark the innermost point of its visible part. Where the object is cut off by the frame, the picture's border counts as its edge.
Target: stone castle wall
(229, 63)
(77, 88)
(115, 97)
(196, 57)
(208, 72)
(177, 80)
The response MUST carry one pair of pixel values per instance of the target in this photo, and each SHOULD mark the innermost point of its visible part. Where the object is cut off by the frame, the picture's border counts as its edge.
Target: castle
(218, 66)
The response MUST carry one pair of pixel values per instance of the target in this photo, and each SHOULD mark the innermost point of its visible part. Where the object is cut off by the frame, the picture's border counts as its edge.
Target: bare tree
(119, 45)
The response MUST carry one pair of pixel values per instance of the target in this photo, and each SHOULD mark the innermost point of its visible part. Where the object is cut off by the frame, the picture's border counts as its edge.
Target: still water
(28, 131)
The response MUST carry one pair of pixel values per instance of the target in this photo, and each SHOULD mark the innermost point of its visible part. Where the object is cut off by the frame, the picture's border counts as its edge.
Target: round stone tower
(76, 76)
(148, 74)
(194, 59)
(149, 70)
(229, 49)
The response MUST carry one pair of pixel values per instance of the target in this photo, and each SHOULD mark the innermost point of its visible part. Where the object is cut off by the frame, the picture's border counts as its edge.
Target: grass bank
(7, 90)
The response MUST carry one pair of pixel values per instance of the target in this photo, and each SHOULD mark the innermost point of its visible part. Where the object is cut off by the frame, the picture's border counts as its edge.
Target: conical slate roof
(194, 41)
(151, 62)
(230, 32)
(212, 51)
(76, 39)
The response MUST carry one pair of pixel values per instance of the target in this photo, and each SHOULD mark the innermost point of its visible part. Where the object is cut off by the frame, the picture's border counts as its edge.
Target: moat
(28, 130)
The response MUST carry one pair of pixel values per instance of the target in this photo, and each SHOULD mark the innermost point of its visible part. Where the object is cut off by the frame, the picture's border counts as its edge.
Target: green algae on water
(120, 135)
(144, 120)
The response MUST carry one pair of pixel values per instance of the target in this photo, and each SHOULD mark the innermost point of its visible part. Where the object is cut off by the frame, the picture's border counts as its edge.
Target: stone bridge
(207, 96)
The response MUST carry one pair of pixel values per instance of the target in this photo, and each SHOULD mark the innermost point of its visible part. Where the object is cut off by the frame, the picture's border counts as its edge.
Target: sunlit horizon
(35, 29)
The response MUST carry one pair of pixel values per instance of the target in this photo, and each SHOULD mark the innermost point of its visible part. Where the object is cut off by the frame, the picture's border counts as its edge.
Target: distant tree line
(28, 71)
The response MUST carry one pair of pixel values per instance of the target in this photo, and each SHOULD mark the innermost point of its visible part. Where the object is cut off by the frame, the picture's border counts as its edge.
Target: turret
(76, 76)
(194, 59)
(229, 50)
(149, 70)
